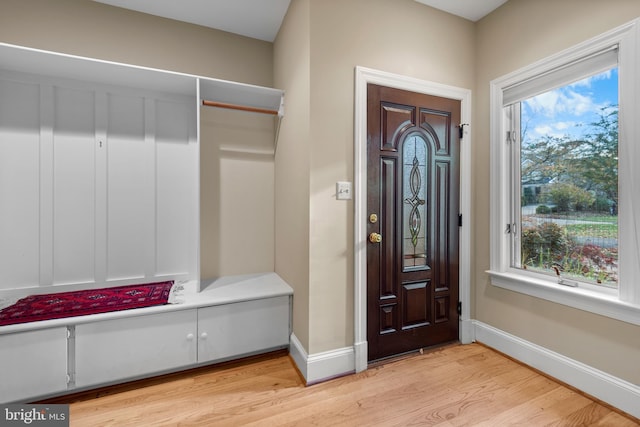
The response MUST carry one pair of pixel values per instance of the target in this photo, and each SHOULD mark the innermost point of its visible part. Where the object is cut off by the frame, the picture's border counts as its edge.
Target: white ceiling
(261, 19)
(473, 10)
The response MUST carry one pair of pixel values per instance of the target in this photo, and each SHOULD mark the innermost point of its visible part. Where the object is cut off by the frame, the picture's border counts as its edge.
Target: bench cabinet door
(33, 364)
(231, 330)
(134, 347)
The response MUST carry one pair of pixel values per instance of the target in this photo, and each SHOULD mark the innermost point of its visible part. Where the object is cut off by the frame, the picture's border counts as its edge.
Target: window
(565, 175)
(564, 185)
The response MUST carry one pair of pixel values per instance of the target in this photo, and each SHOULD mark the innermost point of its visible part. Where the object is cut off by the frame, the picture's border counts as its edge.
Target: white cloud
(545, 103)
(561, 101)
(564, 125)
(543, 130)
(567, 111)
(555, 129)
(589, 80)
(579, 103)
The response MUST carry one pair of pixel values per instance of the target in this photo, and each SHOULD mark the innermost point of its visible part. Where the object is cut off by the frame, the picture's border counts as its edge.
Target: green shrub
(543, 209)
(568, 197)
(544, 245)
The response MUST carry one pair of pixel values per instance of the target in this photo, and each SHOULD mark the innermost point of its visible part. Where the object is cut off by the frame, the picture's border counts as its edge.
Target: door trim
(364, 76)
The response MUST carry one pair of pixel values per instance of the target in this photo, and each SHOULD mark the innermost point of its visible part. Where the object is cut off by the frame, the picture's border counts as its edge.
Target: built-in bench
(229, 318)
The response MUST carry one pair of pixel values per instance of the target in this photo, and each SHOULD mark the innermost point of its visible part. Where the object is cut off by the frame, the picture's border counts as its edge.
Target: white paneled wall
(19, 183)
(98, 184)
(174, 186)
(74, 186)
(99, 172)
(129, 175)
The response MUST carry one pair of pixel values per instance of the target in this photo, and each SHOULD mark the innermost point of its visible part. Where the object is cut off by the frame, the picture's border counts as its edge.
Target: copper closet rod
(239, 107)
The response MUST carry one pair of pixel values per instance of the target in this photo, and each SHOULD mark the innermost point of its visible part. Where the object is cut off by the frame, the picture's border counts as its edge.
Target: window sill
(602, 303)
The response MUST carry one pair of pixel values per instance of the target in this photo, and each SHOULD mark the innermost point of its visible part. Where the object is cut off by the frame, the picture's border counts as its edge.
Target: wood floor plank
(456, 385)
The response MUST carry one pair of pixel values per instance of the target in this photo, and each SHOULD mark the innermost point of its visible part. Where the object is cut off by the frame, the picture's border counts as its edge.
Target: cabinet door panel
(235, 329)
(112, 350)
(32, 364)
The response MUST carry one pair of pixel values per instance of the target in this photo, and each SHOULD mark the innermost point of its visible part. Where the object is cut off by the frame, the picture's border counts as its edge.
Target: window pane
(569, 181)
(414, 239)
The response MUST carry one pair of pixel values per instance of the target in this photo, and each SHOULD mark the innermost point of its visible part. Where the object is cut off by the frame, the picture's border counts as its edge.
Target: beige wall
(236, 192)
(292, 73)
(517, 34)
(399, 36)
(237, 171)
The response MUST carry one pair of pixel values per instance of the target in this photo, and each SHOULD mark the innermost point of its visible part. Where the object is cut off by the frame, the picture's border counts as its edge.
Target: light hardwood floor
(455, 385)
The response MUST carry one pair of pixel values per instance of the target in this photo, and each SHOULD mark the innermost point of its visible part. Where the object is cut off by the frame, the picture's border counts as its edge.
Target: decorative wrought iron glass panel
(414, 195)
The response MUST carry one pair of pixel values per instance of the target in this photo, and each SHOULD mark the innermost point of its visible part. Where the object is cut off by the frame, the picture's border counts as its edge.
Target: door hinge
(459, 308)
(459, 220)
(461, 129)
(511, 228)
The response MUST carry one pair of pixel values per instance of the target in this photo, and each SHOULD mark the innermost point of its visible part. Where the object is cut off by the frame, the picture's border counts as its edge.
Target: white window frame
(622, 303)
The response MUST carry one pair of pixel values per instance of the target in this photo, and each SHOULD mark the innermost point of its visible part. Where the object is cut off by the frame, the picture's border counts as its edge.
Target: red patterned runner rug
(79, 303)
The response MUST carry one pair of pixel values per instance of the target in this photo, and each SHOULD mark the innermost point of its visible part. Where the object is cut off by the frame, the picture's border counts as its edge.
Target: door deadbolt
(373, 218)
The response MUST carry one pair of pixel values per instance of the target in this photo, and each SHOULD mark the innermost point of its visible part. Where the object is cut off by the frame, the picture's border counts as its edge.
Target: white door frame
(363, 77)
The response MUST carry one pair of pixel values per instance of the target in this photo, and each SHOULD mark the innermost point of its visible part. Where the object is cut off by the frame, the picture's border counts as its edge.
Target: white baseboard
(612, 390)
(298, 354)
(360, 350)
(467, 331)
(323, 366)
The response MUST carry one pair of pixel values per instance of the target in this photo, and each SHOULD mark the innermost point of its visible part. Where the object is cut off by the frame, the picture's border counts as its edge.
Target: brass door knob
(375, 238)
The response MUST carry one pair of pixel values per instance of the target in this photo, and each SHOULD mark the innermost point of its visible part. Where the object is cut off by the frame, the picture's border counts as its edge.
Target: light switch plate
(343, 190)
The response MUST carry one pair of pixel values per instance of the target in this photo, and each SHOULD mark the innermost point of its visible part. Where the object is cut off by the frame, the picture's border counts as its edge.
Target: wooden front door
(413, 151)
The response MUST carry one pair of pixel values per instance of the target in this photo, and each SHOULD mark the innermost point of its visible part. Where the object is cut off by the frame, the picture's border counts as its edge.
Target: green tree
(599, 165)
(582, 171)
(546, 159)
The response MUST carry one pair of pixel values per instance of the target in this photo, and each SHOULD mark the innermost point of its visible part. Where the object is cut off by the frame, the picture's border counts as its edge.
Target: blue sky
(570, 109)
